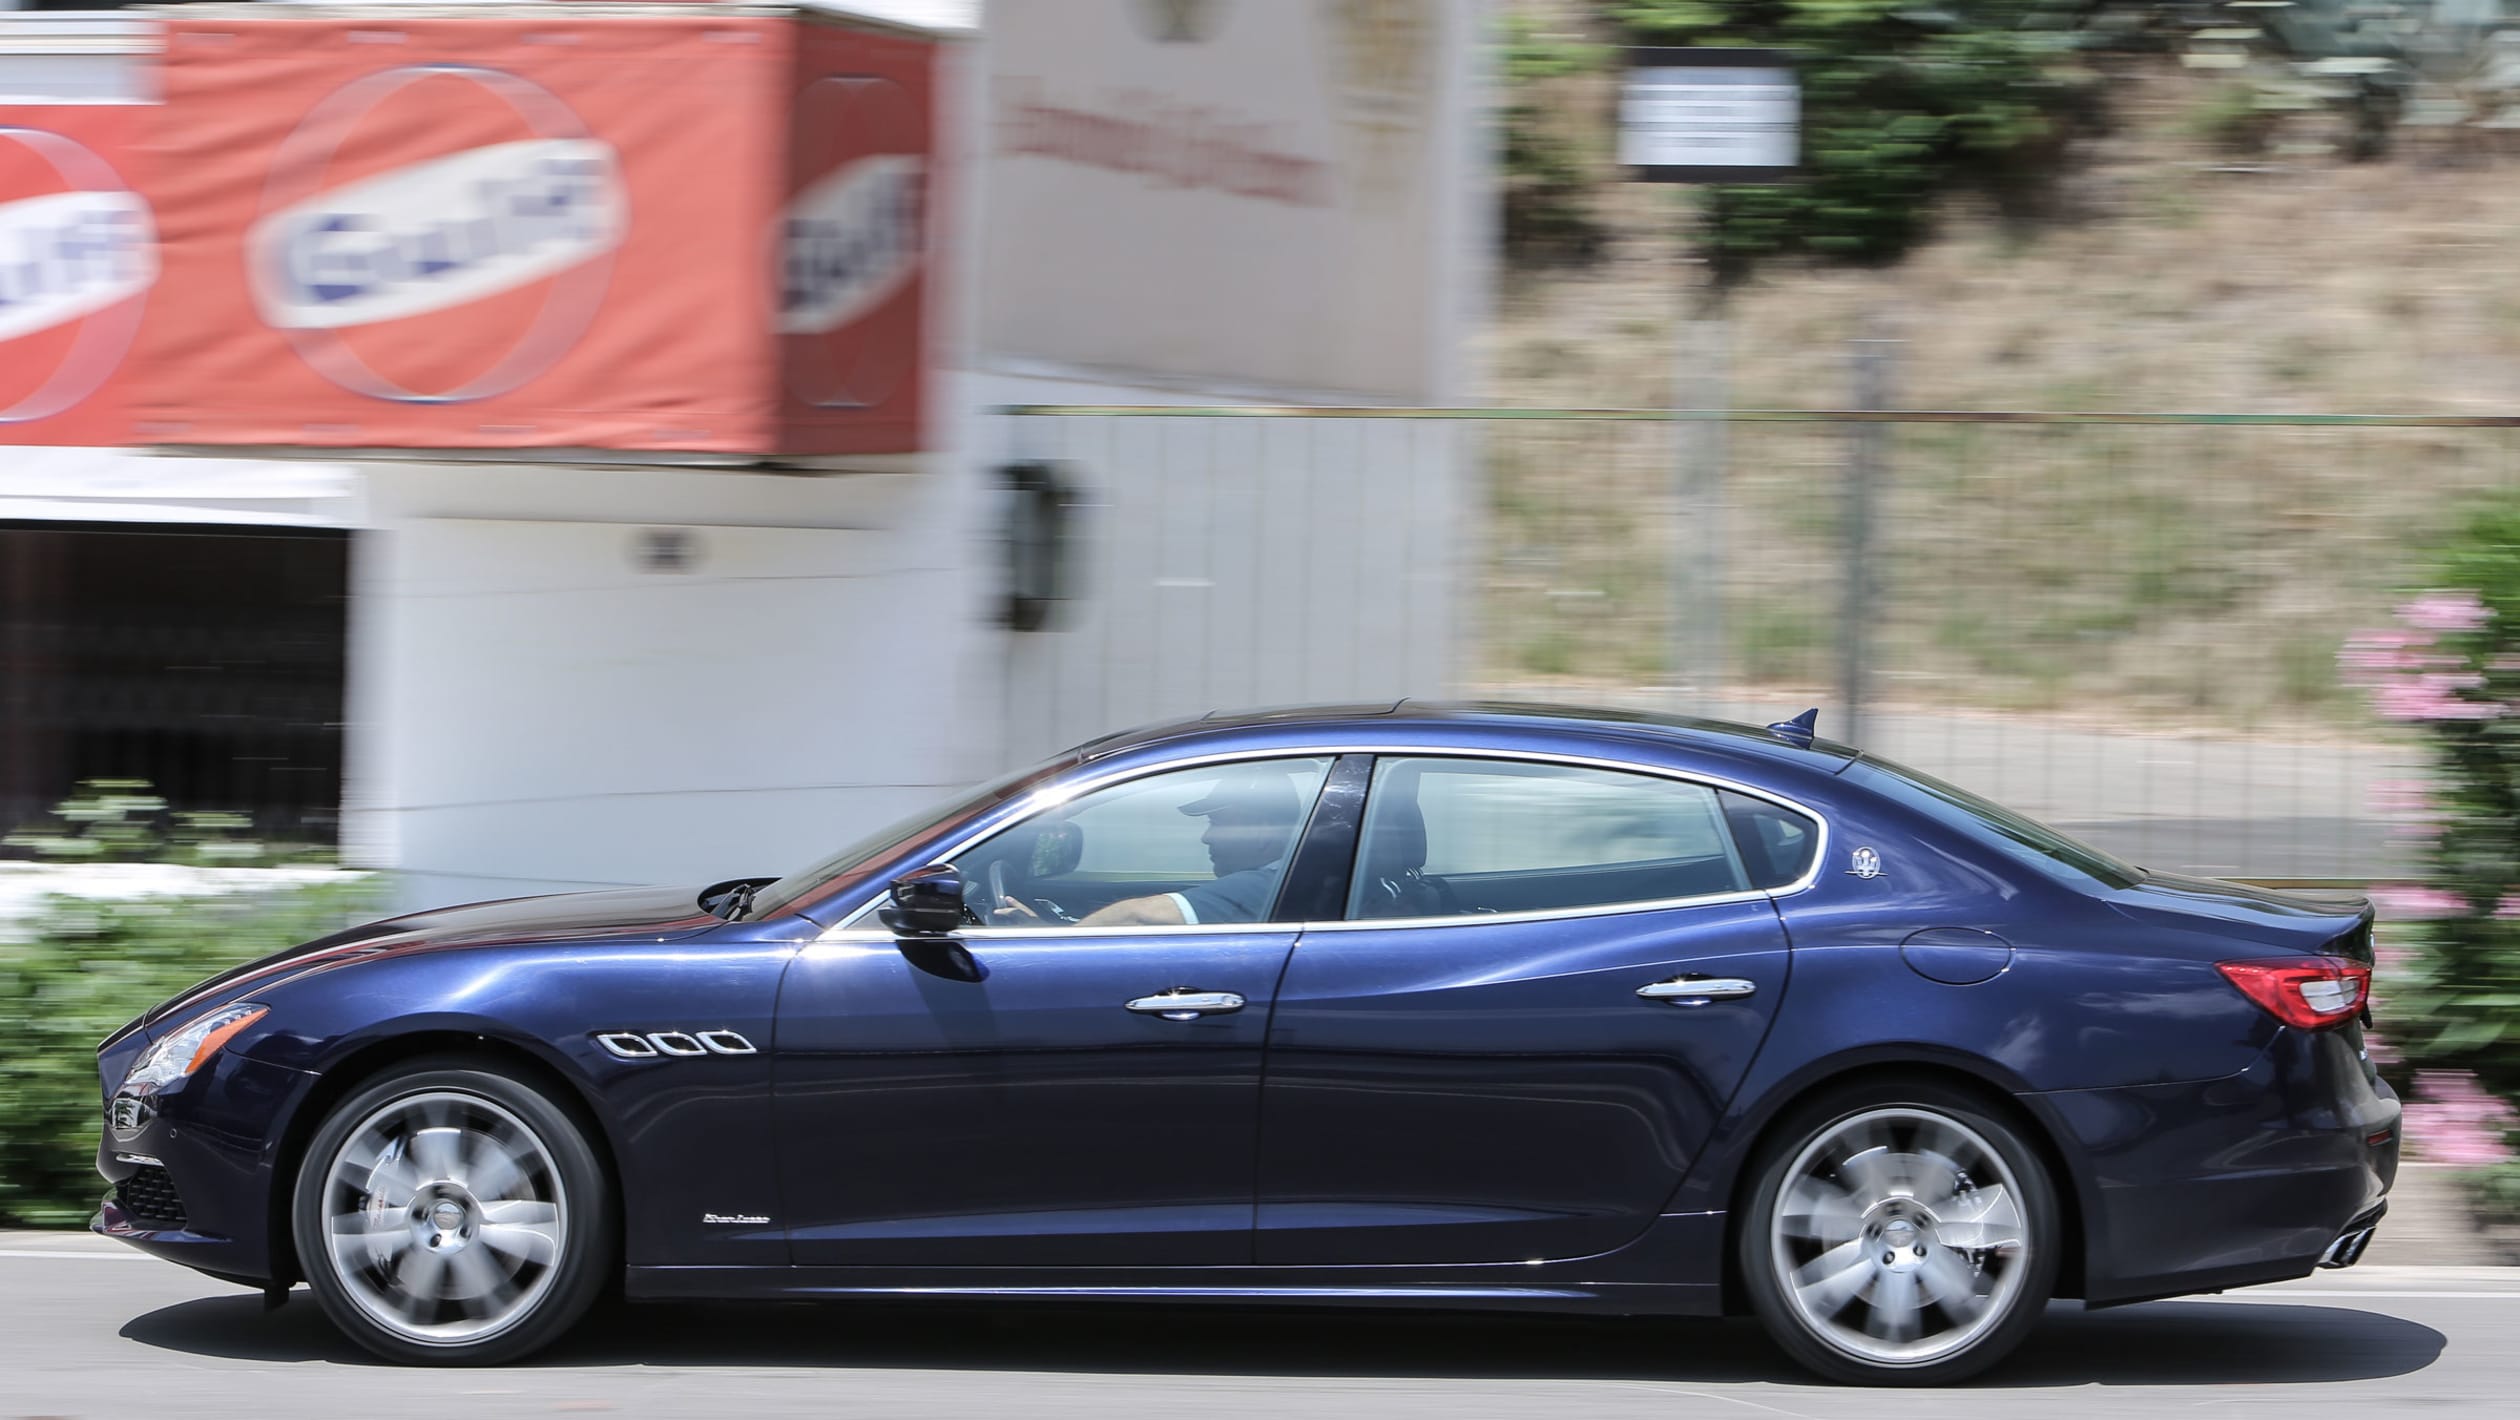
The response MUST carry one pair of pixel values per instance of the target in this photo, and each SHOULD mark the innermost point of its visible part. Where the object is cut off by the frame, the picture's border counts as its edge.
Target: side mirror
(926, 902)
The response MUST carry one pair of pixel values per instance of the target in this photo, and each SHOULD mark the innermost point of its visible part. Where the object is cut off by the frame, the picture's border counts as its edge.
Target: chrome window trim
(852, 926)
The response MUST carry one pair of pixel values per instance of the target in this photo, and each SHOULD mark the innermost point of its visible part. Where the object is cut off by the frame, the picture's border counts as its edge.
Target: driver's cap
(1255, 793)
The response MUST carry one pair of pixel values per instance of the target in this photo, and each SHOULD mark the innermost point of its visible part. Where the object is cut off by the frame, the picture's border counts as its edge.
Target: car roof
(1511, 720)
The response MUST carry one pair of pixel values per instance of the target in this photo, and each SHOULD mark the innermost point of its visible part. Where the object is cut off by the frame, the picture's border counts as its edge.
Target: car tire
(1899, 1233)
(448, 1213)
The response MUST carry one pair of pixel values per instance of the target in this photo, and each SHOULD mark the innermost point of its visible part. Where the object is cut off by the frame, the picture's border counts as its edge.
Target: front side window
(1457, 837)
(1196, 847)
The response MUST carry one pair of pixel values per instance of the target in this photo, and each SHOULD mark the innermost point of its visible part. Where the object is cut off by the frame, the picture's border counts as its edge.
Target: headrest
(1399, 844)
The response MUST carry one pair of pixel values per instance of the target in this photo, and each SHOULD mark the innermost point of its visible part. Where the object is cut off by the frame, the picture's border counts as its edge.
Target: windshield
(882, 845)
(2025, 839)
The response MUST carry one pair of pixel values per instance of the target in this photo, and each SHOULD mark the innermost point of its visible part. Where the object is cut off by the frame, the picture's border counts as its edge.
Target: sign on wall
(77, 261)
(504, 232)
(1242, 191)
(1710, 115)
(853, 241)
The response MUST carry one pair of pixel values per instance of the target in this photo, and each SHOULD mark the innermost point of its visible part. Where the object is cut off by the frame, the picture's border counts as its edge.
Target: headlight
(189, 1047)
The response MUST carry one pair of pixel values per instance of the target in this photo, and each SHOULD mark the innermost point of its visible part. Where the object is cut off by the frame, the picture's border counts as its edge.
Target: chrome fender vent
(685, 1045)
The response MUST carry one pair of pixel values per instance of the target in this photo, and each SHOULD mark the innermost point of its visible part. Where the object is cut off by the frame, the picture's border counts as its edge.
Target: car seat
(1395, 860)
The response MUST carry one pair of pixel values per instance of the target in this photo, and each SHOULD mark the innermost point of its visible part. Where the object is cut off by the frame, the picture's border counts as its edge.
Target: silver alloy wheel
(444, 1217)
(1898, 1236)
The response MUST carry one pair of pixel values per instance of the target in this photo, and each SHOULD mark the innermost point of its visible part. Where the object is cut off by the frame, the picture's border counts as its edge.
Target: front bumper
(194, 1176)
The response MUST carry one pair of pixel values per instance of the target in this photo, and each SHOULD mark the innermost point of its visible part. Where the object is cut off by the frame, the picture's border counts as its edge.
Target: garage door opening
(205, 660)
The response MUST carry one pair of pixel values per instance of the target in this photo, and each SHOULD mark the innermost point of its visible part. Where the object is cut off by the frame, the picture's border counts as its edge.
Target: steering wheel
(1048, 910)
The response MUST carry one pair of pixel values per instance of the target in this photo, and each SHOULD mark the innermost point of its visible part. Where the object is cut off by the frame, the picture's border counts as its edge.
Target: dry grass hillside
(2173, 278)
(2194, 575)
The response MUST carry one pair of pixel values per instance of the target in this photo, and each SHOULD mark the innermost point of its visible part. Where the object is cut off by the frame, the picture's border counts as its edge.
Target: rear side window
(1776, 843)
(1462, 837)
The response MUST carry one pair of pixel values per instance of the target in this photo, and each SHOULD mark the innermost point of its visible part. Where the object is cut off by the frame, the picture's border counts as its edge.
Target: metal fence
(2125, 624)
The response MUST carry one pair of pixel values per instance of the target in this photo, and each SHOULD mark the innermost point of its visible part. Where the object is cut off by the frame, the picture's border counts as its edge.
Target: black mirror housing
(926, 902)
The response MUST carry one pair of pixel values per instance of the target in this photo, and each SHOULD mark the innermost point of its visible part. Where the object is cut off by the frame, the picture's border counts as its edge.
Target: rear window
(2022, 839)
(1776, 843)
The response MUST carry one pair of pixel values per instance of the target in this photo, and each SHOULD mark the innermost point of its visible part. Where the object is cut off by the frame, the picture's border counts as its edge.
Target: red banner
(853, 239)
(76, 263)
(526, 233)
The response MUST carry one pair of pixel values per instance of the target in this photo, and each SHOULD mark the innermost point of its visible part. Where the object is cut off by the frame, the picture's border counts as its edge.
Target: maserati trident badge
(1867, 864)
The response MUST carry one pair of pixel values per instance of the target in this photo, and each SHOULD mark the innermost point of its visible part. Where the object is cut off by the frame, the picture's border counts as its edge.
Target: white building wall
(536, 709)
(1227, 563)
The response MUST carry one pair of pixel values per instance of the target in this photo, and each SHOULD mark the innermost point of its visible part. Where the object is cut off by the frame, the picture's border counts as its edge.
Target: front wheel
(446, 1214)
(1899, 1235)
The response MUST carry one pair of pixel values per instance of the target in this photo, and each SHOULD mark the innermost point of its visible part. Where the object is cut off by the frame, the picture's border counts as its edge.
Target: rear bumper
(2233, 1182)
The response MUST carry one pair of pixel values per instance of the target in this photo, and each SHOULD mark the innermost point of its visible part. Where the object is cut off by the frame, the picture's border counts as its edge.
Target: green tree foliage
(1901, 101)
(90, 967)
(1548, 154)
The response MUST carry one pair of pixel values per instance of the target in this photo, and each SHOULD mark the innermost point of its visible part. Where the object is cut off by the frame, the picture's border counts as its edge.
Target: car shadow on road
(2161, 1344)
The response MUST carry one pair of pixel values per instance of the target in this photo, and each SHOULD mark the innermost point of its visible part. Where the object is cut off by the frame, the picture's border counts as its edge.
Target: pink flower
(2407, 903)
(2407, 806)
(2374, 654)
(2384, 1052)
(2508, 909)
(2434, 695)
(2445, 611)
(2453, 1120)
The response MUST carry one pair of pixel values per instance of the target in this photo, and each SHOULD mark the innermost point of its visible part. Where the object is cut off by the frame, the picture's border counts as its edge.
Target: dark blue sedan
(1411, 1005)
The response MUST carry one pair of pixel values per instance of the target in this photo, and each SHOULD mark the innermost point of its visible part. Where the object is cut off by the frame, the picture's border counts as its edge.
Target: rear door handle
(1187, 1005)
(1697, 990)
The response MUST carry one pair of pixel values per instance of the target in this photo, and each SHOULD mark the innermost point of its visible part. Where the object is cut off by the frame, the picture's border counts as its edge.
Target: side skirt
(991, 1284)
(1674, 1269)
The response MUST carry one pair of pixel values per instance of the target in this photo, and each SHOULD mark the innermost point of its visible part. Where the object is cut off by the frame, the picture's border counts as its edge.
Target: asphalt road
(91, 1330)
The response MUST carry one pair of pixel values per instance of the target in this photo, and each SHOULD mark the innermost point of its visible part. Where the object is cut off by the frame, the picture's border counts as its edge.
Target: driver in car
(1251, 816)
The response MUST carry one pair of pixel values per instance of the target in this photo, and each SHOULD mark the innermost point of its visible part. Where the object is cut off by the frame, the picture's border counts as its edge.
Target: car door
(1042, 1088)
(1550, 980)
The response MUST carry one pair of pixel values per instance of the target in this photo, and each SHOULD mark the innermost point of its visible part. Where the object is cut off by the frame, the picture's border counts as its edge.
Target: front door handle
(1697, 990)
(1179, 1005)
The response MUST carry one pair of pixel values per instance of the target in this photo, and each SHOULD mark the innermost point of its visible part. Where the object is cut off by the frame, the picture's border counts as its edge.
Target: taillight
(2310, 992)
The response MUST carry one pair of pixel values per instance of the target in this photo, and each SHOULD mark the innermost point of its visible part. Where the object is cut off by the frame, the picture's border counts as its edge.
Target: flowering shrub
(2457, 1122)
(2449, 668)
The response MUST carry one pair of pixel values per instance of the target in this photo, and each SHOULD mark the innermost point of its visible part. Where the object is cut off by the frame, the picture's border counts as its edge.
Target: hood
(657, 912)
(2285, 919)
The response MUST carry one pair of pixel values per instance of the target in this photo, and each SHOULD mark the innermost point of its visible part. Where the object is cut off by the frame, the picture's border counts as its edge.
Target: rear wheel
(1899, 1234)
(449, 1214)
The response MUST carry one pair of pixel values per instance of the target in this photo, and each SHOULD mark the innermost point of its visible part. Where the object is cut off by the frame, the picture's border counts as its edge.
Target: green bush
(89, 968)
(1546, 151)
(2495, 1192)
(1899, 102)
(126, 821)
